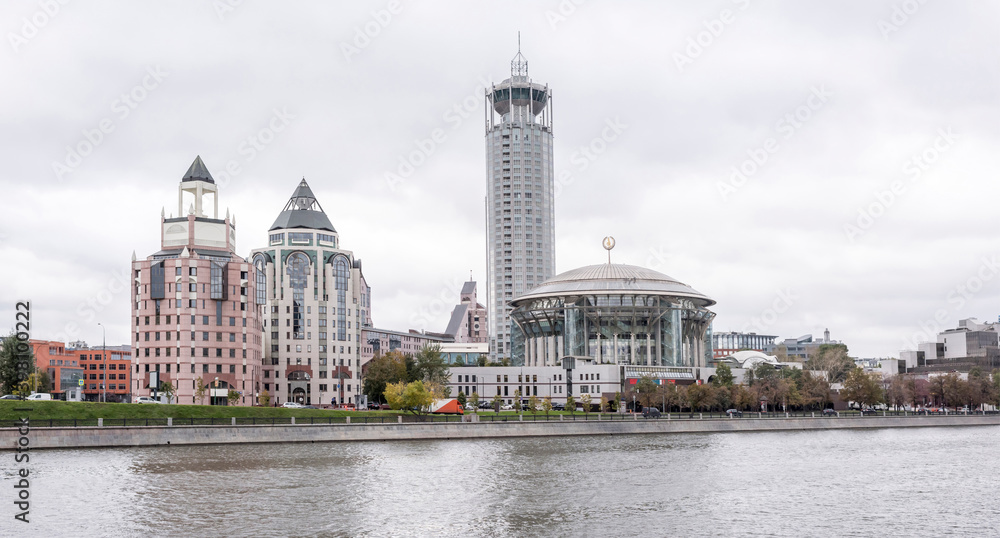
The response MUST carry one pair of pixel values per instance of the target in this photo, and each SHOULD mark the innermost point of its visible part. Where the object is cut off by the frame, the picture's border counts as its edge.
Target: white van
(39, 396)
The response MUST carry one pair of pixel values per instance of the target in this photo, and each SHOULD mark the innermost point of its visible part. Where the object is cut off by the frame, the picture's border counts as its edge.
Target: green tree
(461, 399)
(533, 404)
(617, 402)
(571, 404)
(264, 398)
(832, 359)
(14, 368)
(645, 388)
(167, 389)
(585, 402)
(604, 404)
(723, 376)
(430, 366)
(233, 397)
(517, 400)
(497, 401)
(475, 400)
(393, 394)
(862, 387)
(381, 371)
(547, 405)
(199, 390)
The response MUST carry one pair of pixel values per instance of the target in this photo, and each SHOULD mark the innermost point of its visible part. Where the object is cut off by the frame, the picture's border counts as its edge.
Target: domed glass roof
(616, 279)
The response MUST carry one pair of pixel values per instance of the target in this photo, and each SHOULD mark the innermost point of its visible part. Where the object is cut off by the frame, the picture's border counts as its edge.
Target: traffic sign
(80, 382)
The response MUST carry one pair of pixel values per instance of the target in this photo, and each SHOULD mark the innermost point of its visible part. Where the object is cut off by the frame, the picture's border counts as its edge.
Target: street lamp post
(104, 355)
(215, 386)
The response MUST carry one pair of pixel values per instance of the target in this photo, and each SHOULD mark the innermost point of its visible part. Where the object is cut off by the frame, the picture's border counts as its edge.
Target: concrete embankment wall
(92, 437)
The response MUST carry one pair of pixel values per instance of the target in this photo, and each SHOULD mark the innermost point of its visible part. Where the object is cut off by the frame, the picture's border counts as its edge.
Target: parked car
(869, 411)
(734, 413)
(292, 405)
(39, 396)
(829, 412)
(145, 399)
(10, 397)
(651, 412)
(507, 407)
(558, 406)
(374, 406)
(309, 407)
(486, 405)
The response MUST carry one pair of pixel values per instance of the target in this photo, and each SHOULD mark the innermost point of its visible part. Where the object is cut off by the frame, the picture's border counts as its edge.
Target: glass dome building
(612, 314)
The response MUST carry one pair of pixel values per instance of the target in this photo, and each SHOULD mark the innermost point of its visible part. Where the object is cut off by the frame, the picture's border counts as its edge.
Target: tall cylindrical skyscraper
(519, 197)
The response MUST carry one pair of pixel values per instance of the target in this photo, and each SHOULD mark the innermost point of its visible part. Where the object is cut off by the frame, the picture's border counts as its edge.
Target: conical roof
(198, 172)
(303, 211)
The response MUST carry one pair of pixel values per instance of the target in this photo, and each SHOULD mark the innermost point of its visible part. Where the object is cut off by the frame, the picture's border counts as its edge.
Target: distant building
(801, 348)
(725, 344)
(63, 367)
(960, 349)
(468, 323)
(118, 372)
(465, 353)
(193, 309)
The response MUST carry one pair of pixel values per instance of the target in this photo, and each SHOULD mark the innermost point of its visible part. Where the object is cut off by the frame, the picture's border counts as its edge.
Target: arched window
(342, 275)
(260, 264)
(297, 267)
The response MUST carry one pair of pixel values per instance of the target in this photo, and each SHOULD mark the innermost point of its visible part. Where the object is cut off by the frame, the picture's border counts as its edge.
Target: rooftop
(615, 279)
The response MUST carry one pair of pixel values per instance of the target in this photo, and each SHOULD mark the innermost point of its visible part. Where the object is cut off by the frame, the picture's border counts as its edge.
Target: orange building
(62, 366)
(114, 362)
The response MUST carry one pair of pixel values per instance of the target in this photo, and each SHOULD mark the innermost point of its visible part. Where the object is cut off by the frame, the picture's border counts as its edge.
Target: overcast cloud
(878, 115)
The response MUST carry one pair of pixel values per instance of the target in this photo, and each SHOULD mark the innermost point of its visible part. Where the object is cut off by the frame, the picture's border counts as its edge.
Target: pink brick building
(194, 314)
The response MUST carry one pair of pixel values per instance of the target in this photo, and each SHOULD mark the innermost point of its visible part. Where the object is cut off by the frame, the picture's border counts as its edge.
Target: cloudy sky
(807, 164)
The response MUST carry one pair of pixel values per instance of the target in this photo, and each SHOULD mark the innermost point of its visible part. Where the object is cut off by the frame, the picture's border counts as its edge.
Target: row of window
(204, 321)
(204, 368)
(204, 352)
(110, 376)
(204, 336)
(111, 386)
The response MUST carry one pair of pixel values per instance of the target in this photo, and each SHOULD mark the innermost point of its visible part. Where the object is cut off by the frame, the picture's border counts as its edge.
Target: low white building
(542, 381)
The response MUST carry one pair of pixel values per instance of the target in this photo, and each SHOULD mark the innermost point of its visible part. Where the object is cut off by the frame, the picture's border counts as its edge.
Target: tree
(37, 381)
(413, 397)
(815, 390)
(832, 359)
(430, 366)
(645, 388)
(604, 404)
(743, 398)
(723, 376)
(533, 404)
(475, 400)
(862, 387)
(263, 398)
(233, 397)
(547, 405)
(994, 389)
(461, 399)
(898, 393)
(781, 353)
(200, 388)
(394, 394)
(497, 400)
(381, 371)
(585, 402)
(517, 399)
(570, 404)
(167, 388)
(617, 402)
(696, 396)
(14, 367)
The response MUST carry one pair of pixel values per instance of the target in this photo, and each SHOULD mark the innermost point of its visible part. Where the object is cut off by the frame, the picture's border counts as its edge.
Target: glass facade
(342, 275)
(298, 275)
(628, 329)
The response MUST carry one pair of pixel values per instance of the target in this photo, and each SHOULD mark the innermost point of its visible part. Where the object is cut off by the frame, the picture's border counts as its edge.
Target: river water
(892, 482)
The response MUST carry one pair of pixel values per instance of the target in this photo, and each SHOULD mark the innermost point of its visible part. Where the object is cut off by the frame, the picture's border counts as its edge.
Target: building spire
(519, 65)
